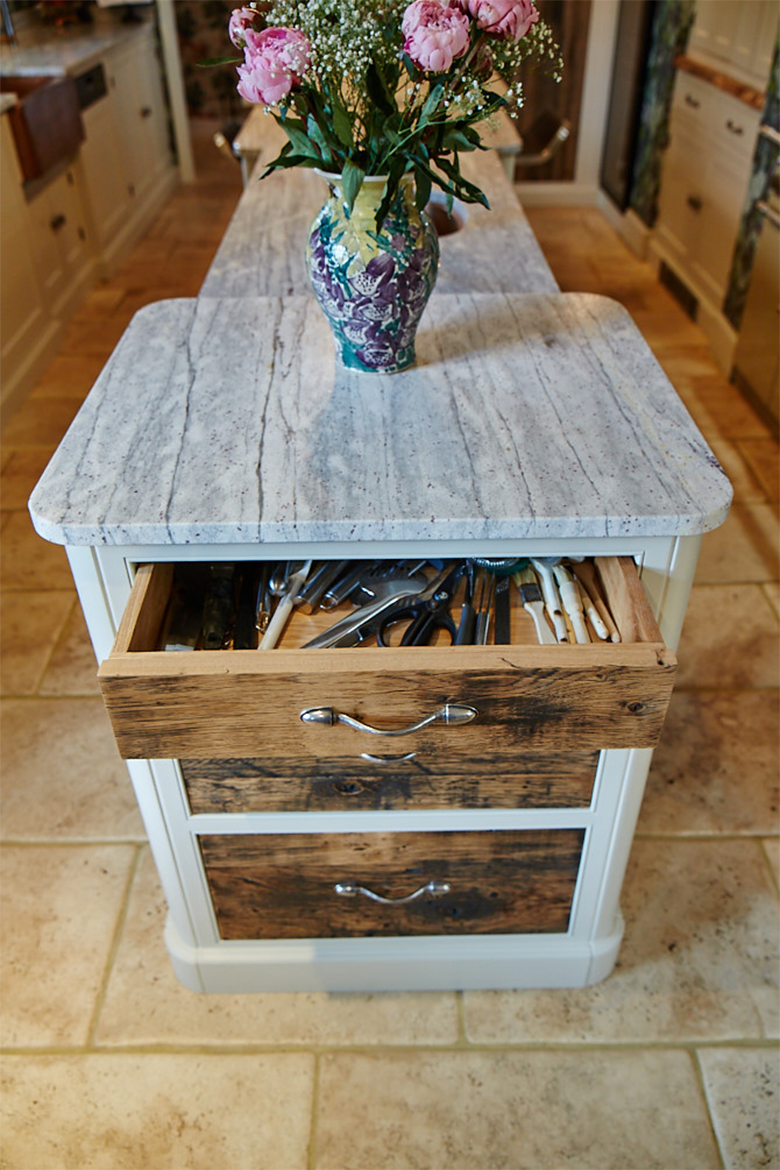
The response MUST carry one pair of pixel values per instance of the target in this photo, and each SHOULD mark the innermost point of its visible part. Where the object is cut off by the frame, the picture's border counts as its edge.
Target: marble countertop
(262, 252)
(47, 51)
(226, 421)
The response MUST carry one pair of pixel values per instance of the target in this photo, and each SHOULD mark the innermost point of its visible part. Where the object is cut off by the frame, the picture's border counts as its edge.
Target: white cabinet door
(102, 159)
(59, 240)
(142, 116)
(22, 314)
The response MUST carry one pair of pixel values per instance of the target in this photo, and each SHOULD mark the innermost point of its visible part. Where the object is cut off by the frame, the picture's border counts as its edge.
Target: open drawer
(464, 702)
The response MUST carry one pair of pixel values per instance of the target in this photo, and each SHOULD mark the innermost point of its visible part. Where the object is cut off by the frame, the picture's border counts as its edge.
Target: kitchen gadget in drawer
(365, 884)
(440, 701)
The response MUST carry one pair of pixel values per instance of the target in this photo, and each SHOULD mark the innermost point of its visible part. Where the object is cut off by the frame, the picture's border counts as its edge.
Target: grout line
(311, 1149)
(699, 1074)
(113, 949)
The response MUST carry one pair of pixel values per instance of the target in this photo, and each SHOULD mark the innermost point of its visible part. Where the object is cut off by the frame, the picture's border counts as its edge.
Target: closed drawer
(499, 882)
(714, 115)
(246, 703)
(532, 780)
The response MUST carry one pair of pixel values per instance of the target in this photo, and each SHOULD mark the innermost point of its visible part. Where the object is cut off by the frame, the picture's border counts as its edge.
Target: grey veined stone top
(227, 420)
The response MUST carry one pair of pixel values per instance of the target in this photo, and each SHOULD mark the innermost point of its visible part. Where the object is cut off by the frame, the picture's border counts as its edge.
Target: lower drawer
(529, 780)
(386, 884)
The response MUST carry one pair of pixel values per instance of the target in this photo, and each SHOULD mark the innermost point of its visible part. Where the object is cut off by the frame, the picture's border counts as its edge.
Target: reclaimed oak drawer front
(535, 780)
(497, 882)
(228, 704)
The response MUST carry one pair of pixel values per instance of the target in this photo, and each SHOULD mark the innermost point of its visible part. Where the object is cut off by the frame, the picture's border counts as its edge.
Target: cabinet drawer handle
(734, 127)
(692, 102)
(453, 713)
(387, 759)
(350, 890)
(694, 202)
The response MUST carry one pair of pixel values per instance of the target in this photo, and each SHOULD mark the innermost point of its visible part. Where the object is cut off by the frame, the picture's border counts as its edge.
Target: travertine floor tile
(747, 487)
(60, 911)
(29, 562)
(763, 458)
(698, 961)
(744, 548)
(62, 775)
(484, 1111)
(72, 669)
(30, 624)
(146, 1004)
(158, 1112)
(731, 638)
(22, 470)
(715, 768)
(743, 1094)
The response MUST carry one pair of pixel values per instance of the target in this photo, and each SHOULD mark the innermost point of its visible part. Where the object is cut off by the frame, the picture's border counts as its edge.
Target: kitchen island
(534, 423)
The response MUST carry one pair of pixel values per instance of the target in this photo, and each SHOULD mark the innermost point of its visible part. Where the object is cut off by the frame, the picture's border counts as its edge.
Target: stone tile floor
(672, 1062)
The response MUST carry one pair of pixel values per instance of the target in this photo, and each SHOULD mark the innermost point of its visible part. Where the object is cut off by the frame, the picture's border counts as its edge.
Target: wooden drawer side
(501, 882)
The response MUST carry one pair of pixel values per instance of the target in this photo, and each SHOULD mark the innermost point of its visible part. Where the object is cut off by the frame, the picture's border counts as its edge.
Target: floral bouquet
(386, 87)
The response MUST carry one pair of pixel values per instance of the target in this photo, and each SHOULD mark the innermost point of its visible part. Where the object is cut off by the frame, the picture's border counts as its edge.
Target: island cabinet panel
(227, 704)
(534, 780)
(498, 882)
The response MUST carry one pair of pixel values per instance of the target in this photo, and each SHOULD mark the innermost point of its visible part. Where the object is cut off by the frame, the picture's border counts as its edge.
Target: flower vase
(373, 283)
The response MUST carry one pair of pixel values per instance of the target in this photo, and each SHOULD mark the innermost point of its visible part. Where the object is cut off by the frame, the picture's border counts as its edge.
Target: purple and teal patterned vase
(373, 285)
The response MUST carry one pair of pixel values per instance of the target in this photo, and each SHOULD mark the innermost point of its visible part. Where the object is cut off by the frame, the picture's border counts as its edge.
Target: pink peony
(507, 18)
(275, 61)
(435, 32)
(240, 20)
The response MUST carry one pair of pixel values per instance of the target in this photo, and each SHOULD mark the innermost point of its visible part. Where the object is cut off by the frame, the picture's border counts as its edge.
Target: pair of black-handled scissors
(426, 613)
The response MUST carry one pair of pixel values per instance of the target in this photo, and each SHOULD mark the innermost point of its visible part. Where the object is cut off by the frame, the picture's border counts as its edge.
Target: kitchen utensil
(217, 606)
(468, 616)
(344, 585)
(502, 630)
(483, 614)
(314, 590)
(245, 628)
(531, 596)
(572, 602)
(354, 627)
(295, 582)
(552, 601)
(585, 572)
(427, 613)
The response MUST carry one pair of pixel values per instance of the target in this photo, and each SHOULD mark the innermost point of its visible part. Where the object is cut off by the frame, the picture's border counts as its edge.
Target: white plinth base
(489, 962)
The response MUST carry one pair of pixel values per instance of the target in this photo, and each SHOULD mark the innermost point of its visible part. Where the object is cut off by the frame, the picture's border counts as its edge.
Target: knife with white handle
(295, 583)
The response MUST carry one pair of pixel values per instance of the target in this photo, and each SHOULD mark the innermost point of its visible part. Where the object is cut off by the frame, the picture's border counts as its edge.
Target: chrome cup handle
(351, 890)
(450, 713)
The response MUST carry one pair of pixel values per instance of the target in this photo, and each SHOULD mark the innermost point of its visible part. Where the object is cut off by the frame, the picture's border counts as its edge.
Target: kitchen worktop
(228, 421)
(262, 252)
(44, 50)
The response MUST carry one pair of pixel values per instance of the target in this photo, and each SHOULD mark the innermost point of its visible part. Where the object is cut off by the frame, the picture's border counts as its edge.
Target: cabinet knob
(695, 203)
(146, 111)
(57, 223)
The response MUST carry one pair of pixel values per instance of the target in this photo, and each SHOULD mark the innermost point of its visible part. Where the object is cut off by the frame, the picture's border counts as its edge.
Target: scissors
(426, 613)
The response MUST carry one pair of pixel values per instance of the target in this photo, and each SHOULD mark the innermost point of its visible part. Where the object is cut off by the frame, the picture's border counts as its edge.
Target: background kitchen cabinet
(58, 238)
(738, 34)
(26, 329)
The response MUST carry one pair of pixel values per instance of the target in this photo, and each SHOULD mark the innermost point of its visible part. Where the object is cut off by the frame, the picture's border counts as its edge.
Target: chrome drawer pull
(350, 890)
(453, 713)
(387, 759)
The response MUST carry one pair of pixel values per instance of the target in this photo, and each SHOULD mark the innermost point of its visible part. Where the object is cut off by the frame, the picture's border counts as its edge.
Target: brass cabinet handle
(451, 713)
(351, 890)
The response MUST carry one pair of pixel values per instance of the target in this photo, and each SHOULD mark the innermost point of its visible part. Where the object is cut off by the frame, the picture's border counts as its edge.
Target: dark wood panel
(278, 886)
(543, 780)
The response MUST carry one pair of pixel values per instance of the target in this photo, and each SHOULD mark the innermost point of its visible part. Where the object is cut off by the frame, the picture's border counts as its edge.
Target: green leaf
(301, 142)
(342, 125)
(397, 168)
(432, 101)
(352, 177)
(210, 62)
(317, 136)
(423, 184)
(378, 91)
